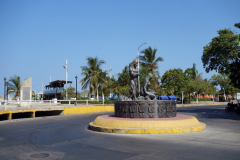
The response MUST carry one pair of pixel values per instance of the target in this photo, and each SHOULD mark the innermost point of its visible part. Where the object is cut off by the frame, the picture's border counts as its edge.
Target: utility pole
(139, 67)
(66, 67)
(4, 87)
(110, 76)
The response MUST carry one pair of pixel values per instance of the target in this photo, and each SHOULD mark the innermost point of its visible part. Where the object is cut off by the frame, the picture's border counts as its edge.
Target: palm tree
(149, 59)
(192, 72)
(114, 86)
(124, 77)
(103, 82)
(92, 73)
(14, 86)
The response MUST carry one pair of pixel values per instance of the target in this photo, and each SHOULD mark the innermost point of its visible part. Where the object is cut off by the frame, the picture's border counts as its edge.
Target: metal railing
(46, 103)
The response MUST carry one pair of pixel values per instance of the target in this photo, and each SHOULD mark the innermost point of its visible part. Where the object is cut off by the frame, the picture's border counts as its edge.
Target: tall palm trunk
(97, 91)
(102, 94)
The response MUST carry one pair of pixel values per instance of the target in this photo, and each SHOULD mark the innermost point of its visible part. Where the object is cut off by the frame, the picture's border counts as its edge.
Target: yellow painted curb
(89, 109)
(147, 127)
(66, 110)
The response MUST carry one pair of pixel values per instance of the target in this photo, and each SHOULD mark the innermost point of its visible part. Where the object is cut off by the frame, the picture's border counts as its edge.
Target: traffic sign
(238, 96)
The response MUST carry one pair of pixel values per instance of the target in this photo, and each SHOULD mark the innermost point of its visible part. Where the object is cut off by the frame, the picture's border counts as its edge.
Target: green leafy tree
(192, 74)
(14, 86)
(230, 89)
(210, 88)
(124, 85)
(222, 54)
(114, 86)
(189, 89)
(201, 86)
(70, 91)
(143, 73)
(174, 81)
(222, 80)
(92, 74)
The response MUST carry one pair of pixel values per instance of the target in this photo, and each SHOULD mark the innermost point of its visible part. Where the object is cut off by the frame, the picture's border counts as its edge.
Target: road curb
(31, 113)
(109, 124)
(192, 105)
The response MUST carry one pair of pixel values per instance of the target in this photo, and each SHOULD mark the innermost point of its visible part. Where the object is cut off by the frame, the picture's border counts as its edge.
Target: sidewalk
(15, 107)
(201, 104)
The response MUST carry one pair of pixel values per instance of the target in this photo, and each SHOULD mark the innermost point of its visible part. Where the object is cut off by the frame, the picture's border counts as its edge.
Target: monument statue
(145, 91)
(133, 77)
(146, 105)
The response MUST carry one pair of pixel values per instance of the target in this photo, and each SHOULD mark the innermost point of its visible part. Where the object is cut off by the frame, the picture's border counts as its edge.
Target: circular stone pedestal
(145, 109)
(178, 124)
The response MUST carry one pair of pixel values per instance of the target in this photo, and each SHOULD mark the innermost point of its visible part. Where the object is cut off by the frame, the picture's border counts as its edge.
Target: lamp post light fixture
(76, 89)
(4, 87)
(139, 67)
(66, 67)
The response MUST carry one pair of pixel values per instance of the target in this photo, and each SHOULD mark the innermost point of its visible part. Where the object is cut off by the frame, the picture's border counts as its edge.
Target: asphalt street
(67, 138)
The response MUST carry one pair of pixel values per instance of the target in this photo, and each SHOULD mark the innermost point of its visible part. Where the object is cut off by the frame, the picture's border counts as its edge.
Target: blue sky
(36, 37)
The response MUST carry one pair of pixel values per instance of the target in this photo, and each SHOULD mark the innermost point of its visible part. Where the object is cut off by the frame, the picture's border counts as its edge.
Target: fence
(48, 103)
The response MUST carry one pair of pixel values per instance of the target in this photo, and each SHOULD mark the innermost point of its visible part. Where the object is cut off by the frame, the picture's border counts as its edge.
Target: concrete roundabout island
(145, 114)
(178, 124)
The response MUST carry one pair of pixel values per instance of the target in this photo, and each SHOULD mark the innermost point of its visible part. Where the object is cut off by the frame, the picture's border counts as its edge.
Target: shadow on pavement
(211, 113)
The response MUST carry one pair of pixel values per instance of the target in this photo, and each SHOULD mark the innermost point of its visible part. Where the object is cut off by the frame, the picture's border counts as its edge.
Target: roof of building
(57, 83)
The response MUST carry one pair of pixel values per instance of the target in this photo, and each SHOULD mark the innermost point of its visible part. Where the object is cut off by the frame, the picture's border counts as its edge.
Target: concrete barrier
(32, 113)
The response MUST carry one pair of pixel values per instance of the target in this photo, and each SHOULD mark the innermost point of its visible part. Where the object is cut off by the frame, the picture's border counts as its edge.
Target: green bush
(82, 98)
(191, 99)
(110, 101)
(67, 102)
(221, 97)
(94, 102)
(204, 99)
(73, 102)
(199, 99)
(231, 98)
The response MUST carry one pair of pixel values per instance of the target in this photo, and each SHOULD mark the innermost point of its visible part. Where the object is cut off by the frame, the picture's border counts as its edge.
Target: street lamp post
(109, 70)
(139, 67)
(7, 92)
(66, 67)
(4, 87)
(76, 89)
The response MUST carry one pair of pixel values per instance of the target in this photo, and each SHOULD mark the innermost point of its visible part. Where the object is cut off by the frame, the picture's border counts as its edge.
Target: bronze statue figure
(145, 92)
(133, 77)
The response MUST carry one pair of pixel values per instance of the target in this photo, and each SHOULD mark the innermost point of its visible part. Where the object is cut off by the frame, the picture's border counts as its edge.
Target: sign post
(238, 97)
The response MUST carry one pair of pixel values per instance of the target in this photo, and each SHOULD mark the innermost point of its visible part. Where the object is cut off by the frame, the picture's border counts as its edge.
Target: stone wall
(26, 93)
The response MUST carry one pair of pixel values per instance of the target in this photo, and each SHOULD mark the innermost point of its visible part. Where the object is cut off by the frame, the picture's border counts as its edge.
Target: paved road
(67, 137)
